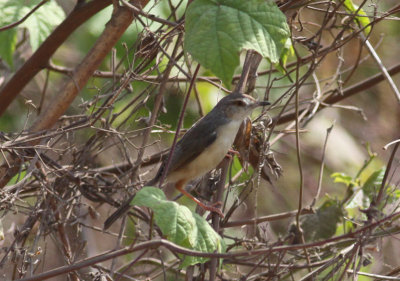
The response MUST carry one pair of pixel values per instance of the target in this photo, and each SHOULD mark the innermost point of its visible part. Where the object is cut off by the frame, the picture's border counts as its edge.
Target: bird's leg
(180, 186)
(231, 153)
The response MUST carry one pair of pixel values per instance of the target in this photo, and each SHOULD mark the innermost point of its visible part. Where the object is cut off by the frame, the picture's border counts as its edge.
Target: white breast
(211, 156)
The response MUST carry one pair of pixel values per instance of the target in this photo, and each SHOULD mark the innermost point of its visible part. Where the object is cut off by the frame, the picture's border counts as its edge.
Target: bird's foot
(231, 153)
(215, 208)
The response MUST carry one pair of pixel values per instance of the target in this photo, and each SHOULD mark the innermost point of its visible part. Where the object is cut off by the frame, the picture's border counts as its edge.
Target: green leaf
(344, 227)
(373, 183)
(362, 18)
(358, 200)
(287, 51)
(8, 38)
(217, 30)
(343, 178)
(39, 24)
(42, 22)
(362, 197)
(393, 194)
(18, 177)
(179, 224)
(323, 223)
(8, 41)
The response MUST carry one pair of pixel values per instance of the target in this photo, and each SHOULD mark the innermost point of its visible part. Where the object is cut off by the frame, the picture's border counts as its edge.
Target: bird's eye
(239, 103)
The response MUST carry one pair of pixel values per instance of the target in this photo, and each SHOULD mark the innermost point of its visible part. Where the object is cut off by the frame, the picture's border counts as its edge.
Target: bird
(202, 147)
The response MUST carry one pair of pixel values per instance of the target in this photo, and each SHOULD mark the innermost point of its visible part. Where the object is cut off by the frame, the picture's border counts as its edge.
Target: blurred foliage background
(362, 125)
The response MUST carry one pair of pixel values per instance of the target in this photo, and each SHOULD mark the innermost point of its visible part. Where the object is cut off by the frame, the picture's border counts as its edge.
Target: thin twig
(178, 128)
(382, 67)
(385, 177)
(321, 170)
(11, 25)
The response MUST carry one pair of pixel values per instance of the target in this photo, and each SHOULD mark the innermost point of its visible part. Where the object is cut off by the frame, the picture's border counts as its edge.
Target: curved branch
(154, 244)
(11, 25)
(348, 92)
(119, 22)
(39, 59)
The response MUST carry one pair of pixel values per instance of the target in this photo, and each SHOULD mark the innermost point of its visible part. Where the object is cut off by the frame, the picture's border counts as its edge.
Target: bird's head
(237, 106)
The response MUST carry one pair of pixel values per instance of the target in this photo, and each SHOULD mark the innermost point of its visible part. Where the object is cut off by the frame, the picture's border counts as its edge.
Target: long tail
(122, 210)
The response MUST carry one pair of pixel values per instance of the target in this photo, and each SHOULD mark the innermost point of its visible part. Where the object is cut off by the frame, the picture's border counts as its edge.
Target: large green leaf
(217, 30)
(179, 224)
(39, 24)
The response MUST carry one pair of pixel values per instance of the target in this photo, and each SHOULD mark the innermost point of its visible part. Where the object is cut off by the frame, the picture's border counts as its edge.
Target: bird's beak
(263, 103)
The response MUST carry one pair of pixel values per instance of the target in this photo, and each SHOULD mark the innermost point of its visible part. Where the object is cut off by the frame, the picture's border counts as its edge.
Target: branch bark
(40, 58)
(119, 22)
(157, 243)
(348, 92)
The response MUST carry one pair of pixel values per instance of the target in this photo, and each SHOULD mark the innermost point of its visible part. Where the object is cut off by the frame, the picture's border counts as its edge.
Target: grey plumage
(212, 135)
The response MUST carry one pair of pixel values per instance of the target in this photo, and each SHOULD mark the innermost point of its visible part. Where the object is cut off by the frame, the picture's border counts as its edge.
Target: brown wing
(200, 136)
(192, 144)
